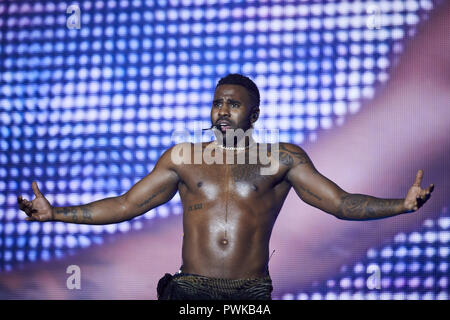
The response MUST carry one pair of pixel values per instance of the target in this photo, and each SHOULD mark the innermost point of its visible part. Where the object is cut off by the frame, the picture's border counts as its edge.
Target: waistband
(223, 282)
(180, 272)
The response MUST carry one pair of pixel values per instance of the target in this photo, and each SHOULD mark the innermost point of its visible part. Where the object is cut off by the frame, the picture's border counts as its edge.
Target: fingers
(36, 190)
(423, 197)
(419, 177)
(33, 218)
(24, 201)
(418, 203)
(27, 207)
(24, 205)
(426, 193)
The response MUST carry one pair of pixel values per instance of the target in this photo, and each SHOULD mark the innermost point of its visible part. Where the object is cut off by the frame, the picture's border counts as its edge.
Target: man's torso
(229, 213)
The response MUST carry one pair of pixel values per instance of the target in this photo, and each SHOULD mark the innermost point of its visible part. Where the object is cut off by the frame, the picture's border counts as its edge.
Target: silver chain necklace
(232, 148)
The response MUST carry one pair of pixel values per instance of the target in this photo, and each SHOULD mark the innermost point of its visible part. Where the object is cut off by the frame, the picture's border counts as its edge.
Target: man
(230, 207)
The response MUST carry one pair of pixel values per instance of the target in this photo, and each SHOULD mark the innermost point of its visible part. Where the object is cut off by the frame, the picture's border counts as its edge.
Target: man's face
(231, 108)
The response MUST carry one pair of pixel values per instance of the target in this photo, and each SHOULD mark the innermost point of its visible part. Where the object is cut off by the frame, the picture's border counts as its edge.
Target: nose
(224, 111)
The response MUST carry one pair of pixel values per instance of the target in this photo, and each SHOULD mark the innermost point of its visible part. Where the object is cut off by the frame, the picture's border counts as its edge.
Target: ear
(254, 114)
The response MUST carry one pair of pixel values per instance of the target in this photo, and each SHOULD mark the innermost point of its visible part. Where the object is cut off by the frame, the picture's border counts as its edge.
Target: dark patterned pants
(186, 286)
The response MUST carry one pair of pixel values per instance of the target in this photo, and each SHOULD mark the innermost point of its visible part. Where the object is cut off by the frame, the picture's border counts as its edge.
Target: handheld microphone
(212, 127)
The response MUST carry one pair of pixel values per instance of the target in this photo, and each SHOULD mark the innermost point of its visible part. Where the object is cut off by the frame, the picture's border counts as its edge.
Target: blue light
(444, 252)
(45, 255)
(46, 241)
(7, 255)
(142, 65)
(9, 242)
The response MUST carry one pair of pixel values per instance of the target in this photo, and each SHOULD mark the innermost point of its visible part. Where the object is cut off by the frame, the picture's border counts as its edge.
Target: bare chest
(240, 180)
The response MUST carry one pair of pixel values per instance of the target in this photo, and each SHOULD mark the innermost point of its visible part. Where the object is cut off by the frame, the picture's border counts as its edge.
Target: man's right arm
(156, 188)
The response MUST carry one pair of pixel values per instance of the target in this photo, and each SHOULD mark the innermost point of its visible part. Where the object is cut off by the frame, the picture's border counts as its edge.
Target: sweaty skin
(229, 213)
(229, 210)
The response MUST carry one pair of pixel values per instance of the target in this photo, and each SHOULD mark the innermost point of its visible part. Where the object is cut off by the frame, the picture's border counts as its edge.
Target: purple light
(428, 282)
(399, 282)
(443, 282)
(414, 282)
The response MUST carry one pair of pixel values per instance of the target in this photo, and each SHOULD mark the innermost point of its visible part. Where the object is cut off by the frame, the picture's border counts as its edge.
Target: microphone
(212, 127)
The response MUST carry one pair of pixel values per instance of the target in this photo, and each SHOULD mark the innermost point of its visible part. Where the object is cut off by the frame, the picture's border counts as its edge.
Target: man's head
(236, 103)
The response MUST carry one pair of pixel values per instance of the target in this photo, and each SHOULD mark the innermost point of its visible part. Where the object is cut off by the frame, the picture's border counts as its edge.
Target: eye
(235, 105)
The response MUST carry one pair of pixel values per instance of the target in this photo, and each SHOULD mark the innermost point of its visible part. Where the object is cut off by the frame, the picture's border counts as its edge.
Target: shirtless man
(229, 208)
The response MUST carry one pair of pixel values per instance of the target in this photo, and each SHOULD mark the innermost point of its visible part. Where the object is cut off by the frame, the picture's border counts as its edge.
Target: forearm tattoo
(87, 213)
(364, 207)
(74, 212)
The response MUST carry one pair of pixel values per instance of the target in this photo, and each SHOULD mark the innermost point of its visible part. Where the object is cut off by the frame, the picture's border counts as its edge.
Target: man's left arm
(320, 192)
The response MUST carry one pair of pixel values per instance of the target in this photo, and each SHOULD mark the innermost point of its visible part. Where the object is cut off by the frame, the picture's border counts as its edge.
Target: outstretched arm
(156, 188)
(322, 193)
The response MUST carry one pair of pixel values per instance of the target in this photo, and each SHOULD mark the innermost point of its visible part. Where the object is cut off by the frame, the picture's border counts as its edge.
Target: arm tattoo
(69, 210)
(64, 210)
(74, 213)
(310, 193)
(152, 197)
(286, 159)
(87, 213)
(364, 207)
(290, 157)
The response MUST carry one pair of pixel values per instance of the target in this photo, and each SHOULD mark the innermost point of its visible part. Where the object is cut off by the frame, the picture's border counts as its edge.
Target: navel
(224, 242)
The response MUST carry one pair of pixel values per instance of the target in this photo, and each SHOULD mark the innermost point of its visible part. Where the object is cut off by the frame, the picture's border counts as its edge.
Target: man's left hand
(416, 196)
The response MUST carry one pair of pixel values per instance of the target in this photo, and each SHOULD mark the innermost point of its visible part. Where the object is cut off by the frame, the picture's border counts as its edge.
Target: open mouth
(224, 128)
(223, 125)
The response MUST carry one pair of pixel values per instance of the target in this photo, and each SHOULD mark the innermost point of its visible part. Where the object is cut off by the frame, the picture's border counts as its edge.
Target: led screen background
(87, 112)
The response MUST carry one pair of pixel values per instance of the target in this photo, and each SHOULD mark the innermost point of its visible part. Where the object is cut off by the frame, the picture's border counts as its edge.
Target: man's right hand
(37, 210)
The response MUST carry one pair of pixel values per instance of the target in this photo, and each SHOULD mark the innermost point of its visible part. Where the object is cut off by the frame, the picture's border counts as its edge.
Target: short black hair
(246, 82)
